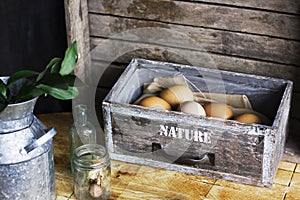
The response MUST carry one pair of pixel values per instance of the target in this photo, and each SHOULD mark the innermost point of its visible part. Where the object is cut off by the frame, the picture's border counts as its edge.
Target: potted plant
(56, 79)
(26, 149)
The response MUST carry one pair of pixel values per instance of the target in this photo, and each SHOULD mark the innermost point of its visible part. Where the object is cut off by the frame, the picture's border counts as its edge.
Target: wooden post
(78, 29)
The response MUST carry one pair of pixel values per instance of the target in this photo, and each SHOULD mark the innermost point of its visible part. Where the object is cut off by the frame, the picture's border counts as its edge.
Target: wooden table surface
(136, 182)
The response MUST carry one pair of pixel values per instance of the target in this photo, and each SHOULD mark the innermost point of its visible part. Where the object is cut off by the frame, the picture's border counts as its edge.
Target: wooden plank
(204, 15)
(286, 6)
(215, 41)
(183, 56)
(133, 182)
(225, 190)
(77, 28)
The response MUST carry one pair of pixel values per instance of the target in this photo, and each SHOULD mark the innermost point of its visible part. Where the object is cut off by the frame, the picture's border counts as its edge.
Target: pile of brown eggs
(181, 98)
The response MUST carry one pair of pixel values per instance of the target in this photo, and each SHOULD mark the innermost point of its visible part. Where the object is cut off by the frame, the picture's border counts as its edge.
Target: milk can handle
(48, 134)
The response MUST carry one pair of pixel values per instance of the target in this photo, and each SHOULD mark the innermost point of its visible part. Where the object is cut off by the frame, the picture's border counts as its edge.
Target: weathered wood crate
(223, 149)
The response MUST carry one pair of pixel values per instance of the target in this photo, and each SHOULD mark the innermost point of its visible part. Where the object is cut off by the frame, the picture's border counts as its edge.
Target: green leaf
(14, 88)
(3, 98)
(28, 91)
(53, 62)
(32, 93)
(70, 59)
(3, 102)
(55, 80)
(58, 93)
(3, 88)
(55, 68)
(21, 74)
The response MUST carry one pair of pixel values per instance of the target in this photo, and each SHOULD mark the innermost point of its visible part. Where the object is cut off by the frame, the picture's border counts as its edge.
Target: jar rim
(99, 151)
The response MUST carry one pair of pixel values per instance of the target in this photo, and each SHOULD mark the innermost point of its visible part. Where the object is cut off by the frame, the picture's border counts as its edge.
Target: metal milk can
(26, 155)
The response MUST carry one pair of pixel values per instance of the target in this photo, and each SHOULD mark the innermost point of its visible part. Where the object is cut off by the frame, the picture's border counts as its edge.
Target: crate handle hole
(205, 159)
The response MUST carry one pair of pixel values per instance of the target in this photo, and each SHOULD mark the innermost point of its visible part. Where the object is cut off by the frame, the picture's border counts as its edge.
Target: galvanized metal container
(223, 149)
(26, 154)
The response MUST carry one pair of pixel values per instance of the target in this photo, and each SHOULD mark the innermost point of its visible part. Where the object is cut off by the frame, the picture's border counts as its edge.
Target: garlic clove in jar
(95, 190)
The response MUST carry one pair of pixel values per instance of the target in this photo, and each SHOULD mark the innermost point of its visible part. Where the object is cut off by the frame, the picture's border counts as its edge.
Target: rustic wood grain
(293, 194)
(78, 30)
(227, 190)
(184, 56)
(213, 41)
(283, 177)
(287, 6)
(141, 183)
(204, 15)
(248, 162)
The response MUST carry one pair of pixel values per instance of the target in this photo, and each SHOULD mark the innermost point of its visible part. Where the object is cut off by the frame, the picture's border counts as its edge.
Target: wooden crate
(223, 149)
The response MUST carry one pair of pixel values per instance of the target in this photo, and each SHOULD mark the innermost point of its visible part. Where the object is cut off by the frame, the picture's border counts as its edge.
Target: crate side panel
(282, 129)
(235, 153)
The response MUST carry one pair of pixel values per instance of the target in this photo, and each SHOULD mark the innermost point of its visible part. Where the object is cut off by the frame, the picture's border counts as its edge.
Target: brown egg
(218, 110)
(177, 94)
(192, 107)
(155, 102)
(248, 118)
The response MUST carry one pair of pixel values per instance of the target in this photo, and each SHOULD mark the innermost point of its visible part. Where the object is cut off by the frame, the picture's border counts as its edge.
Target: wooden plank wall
(250, 36)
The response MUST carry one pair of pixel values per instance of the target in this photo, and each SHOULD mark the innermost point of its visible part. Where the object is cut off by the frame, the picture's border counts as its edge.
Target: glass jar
(91, 172)
(81, 131)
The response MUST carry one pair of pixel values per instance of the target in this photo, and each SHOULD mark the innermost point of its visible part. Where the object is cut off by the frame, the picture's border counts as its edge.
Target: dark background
(32, 32)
